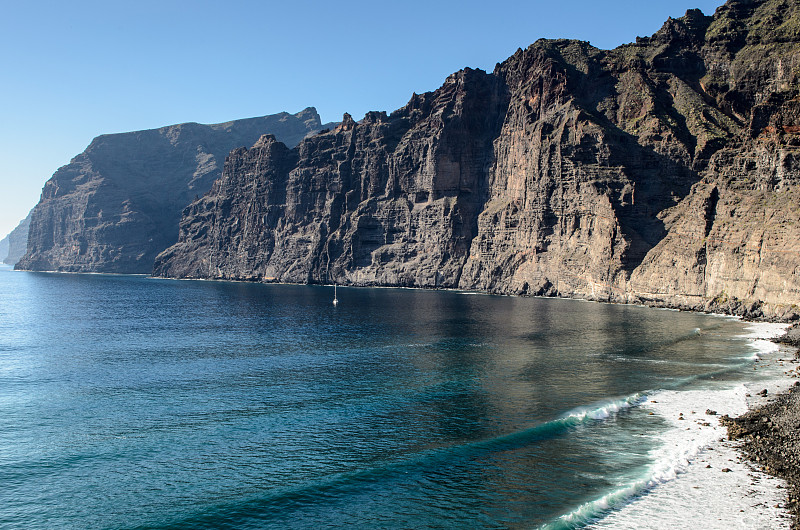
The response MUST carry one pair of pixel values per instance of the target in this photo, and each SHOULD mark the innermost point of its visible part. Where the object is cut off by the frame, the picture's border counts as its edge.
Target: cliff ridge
(115, 206)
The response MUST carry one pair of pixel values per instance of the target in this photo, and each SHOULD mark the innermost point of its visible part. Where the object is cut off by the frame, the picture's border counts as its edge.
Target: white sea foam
(606, 409)
(681, 487)
(686, 485)
(761, 333)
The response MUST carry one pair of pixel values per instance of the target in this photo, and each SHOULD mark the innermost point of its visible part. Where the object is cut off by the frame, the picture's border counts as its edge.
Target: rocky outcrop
(14, 245)
(770, 439)
(664, 171)
(115, 206)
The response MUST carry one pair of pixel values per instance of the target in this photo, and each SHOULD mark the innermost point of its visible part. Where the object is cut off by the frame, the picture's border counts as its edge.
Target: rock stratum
(115, 206)
(664, 172)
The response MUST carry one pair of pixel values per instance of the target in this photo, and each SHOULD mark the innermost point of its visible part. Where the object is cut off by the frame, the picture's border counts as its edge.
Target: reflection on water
(130, 402)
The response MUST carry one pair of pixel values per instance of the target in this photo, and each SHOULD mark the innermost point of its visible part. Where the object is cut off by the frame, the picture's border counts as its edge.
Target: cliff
(391, 200)
(14, 245)
(664, 171)
(115, 206)
(4, 247)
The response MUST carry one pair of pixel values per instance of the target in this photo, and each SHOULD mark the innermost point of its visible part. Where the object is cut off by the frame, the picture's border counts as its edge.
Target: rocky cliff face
(4, 248)
(115, 206)
(14, 245)
(734, 243)
(665, 171)
(392, 200)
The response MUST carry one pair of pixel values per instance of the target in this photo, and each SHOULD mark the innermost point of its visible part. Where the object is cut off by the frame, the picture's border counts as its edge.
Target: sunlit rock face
(664, 172)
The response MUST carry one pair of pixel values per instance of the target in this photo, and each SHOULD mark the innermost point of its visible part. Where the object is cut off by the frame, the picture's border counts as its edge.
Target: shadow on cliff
(657, 180)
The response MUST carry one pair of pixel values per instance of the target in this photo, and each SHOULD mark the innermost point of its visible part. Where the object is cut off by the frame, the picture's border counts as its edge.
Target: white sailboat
(335, 300)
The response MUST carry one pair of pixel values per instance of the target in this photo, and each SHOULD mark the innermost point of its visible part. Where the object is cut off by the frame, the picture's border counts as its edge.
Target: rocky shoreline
(770, 435)
(792, 336)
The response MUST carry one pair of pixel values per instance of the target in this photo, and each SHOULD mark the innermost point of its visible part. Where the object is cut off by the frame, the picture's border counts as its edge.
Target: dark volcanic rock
(115, 206)
(771, 439)
(792, 336)
(662, 172)
(391, 200)
(4, 248)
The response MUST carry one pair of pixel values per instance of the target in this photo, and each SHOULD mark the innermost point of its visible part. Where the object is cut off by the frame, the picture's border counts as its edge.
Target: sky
(70, 71)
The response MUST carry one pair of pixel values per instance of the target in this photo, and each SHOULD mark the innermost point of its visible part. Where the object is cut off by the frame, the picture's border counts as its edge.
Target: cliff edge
(115, 206)
(664, 171)
(14, 245)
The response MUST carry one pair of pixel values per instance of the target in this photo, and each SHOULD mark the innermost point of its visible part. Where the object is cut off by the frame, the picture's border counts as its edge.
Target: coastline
(768, 434)
(744, 496)
(753, 310)
(717, 478)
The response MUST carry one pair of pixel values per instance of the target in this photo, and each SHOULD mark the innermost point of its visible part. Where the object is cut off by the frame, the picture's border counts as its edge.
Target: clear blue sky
(74, 70)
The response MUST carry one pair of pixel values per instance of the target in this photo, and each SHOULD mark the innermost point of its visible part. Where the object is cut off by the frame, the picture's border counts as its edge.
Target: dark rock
(711, 412)
(660, 172)
(770, 438)
(115, 206)
(390, 200)
(792, 336)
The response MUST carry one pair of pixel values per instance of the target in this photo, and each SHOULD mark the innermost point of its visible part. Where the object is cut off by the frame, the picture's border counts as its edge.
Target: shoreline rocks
(770, 436)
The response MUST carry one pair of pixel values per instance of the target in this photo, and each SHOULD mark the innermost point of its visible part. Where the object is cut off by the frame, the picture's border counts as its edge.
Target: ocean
(132, 402)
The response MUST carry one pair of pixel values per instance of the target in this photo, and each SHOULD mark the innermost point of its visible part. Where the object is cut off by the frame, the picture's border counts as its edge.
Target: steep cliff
(733, 244)
(664, 171)
(391, 200)
(115, 206)
(14, 245)
(4, 248)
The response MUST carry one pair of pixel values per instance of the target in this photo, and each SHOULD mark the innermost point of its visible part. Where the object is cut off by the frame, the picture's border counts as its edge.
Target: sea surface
(132, 402)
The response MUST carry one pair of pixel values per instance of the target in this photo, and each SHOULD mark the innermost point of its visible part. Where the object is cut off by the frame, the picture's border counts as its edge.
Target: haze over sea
(130, 402)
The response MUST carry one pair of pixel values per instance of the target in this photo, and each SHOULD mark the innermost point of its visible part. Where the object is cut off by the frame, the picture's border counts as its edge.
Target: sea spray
(671, 459)
(605, 409)
(695, 433)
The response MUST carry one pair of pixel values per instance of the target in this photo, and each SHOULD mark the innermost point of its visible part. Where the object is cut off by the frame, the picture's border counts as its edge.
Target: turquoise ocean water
(130, 402)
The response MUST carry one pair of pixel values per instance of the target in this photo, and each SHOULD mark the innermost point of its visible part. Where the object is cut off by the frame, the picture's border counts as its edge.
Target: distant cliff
(14, 245)
(664, 171)
(115, 206)
(4, 248)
